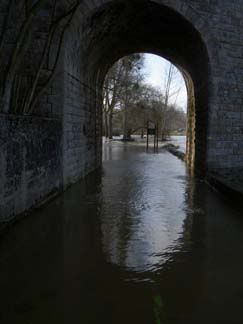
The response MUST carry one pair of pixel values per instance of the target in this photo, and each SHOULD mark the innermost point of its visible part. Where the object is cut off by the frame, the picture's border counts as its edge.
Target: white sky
(154, 74)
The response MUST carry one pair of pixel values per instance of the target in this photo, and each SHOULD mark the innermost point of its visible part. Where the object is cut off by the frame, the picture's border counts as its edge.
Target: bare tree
(171, 91)
(131, 82)
(133, 102)
(148, 104)
(119, 91)
(111, 93)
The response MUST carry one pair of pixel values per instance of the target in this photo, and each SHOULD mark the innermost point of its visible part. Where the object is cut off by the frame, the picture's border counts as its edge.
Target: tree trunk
(129, 134)
(142, 133)
(110, 128)
(125, 133)
(106, 124)
(125, 124)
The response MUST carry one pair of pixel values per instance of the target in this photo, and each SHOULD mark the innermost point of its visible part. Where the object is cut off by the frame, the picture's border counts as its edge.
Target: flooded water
(179, 141)
(142, 243)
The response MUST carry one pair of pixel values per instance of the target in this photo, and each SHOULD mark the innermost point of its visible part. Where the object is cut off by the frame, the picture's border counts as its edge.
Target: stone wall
(30, 162)
(79, 151)
(204, 38)
(78, 112)
(218, 124)
(42, 156)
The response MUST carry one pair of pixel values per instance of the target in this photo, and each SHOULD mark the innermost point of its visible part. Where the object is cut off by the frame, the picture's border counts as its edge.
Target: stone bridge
(54, 56)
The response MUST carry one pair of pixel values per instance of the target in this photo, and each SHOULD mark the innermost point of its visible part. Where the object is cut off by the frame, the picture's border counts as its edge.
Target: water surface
(141, 243)
(179, 141)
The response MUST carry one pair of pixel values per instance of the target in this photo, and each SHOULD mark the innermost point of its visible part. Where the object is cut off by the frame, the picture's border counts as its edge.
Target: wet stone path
(140, 243)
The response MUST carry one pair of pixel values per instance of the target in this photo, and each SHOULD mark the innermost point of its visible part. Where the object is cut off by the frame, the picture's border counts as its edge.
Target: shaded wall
(30, 162)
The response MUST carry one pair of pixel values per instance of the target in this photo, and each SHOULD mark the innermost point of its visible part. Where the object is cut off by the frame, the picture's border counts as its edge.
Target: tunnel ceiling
(125, 27)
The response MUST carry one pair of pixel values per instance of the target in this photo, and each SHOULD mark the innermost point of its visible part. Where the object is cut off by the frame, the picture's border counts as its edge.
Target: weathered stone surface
(30, 162)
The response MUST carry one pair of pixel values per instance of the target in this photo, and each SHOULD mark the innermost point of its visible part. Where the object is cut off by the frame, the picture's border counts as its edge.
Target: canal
(139, 243)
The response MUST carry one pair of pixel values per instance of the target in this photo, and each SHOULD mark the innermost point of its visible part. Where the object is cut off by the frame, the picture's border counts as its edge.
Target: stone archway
(120, 28)
(57, 77)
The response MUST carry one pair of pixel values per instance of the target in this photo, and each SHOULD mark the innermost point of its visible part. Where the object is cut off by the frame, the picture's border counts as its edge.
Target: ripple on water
(144, 213)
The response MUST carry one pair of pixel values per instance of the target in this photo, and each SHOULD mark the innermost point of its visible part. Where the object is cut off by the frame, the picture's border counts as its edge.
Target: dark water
(143, 244)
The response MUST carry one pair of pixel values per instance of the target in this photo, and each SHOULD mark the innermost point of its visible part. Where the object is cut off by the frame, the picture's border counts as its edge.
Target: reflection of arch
(121, 28)
(138, 256)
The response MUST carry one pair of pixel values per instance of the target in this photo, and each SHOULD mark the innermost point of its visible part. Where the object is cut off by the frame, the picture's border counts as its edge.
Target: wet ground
(142, 243)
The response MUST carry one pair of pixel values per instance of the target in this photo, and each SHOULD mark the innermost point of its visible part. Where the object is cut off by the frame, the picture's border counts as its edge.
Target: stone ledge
(232, 190)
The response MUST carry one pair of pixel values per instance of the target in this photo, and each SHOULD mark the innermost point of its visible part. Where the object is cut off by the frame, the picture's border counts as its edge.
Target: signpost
(153, 130)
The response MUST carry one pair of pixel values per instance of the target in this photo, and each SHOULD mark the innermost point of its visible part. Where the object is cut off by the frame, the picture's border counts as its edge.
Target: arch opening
(122, 28)
(143, 88)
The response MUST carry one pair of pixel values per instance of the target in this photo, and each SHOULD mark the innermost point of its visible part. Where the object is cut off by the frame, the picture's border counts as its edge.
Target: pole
(147, 137)
(155, 140)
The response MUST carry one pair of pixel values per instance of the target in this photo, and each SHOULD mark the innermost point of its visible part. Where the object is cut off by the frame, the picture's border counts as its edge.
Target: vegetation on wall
(29, 55)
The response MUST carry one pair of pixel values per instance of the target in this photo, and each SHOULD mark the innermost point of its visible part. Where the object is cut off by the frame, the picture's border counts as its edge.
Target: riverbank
(176, 145)
(228, 182)
(175, 150)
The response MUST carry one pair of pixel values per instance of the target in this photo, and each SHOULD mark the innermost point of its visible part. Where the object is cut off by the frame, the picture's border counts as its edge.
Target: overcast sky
(154, 71)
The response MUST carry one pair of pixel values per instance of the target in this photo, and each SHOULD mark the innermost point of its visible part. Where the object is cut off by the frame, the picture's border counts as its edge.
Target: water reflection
(146, 221)
(143, 243)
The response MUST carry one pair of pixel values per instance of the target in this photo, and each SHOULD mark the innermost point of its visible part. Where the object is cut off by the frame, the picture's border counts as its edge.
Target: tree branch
(51, 34)
(47, 83)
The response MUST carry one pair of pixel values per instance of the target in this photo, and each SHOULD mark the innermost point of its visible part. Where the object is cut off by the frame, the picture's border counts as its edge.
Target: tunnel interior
(121, 28)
